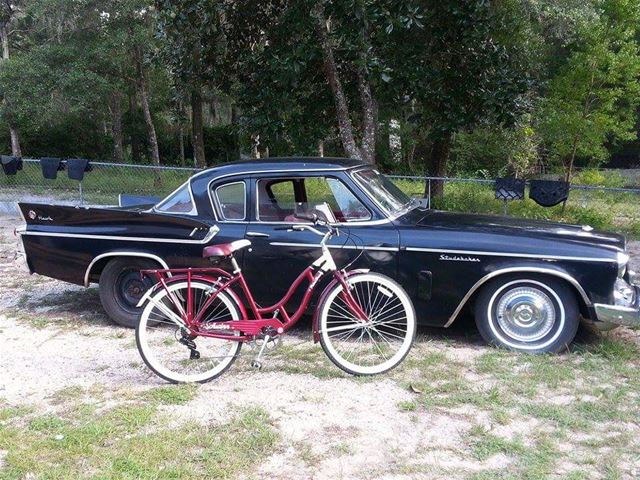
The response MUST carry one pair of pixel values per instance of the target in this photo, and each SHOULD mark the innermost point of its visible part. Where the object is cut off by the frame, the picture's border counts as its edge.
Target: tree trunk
(151, 129)
(116, 126)
(568, 173)
(437, 165)
(345, 127)
(16, 151)
(136, 147)
(197, 128)
(255, 146)
(181, 143)
(369, 118)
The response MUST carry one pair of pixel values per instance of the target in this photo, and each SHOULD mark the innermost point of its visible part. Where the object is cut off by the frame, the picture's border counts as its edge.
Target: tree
(8, 13)
(593, 98)
(463, 63)
(322, 59)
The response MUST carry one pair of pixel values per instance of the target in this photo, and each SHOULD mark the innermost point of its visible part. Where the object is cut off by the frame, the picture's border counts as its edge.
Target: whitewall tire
(534, 314)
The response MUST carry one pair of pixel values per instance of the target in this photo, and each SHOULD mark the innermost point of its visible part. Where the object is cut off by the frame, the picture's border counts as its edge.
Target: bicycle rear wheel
(375, 346)
(168, 349)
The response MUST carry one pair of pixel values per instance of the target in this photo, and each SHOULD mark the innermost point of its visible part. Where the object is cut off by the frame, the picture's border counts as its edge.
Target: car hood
(520, 227)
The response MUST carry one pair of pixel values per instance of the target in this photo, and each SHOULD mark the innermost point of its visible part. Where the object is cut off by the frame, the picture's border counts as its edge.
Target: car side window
(343, 203)
(276, 199)
(232, 200)
(179, 201)
(280, 200)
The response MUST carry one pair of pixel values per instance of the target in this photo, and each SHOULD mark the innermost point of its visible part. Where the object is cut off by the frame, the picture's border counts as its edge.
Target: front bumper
(619, 315)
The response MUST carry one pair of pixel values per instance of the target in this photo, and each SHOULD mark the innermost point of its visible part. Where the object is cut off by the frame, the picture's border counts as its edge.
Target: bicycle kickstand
(256, 363)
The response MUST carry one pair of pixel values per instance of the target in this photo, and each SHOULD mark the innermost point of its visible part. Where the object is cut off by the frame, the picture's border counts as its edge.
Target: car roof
(282, 163)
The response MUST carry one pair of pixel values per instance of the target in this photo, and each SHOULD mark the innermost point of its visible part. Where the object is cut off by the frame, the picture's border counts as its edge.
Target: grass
(132, 441)
(173, 394)
(485, 444)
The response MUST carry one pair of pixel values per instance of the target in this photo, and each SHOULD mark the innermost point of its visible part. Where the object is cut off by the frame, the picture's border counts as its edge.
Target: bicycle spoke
(170, 347)
(378, 343)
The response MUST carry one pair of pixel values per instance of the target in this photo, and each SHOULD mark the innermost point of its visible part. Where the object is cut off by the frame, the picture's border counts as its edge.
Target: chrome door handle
(257, 234)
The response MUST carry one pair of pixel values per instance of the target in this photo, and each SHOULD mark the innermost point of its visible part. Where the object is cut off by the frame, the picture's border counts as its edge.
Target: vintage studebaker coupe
(528, 283)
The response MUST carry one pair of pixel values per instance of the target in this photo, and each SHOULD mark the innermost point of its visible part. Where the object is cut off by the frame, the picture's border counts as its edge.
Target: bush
(599, 178)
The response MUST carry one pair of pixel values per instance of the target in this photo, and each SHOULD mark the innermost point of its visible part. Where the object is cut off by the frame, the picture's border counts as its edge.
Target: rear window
(232, 201)
(179, 201)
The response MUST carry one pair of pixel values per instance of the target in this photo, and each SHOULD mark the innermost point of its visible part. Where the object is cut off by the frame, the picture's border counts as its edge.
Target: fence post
(429, 198)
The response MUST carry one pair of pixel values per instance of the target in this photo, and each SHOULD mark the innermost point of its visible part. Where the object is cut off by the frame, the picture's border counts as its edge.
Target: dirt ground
(455, 409)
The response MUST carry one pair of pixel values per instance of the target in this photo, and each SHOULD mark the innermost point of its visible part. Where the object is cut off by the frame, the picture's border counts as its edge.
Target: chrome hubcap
(526, 314)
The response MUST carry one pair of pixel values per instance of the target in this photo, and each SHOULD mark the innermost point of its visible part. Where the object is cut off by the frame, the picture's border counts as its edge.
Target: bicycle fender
(177, 278)
(323, 296)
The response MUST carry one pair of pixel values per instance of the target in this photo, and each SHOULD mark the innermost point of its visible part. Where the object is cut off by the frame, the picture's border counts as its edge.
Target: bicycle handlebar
(331, 229)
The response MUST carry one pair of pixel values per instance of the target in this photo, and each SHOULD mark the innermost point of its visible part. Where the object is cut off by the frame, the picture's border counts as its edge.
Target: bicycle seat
(224, 249)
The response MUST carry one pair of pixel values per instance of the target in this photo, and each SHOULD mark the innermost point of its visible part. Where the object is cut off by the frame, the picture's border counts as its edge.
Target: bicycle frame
(246, 329)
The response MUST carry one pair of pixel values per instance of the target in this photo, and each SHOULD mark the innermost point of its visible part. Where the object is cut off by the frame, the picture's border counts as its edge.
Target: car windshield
(383, 190)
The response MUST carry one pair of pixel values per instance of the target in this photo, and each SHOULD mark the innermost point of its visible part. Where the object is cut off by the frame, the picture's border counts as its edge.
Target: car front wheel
(528, 314)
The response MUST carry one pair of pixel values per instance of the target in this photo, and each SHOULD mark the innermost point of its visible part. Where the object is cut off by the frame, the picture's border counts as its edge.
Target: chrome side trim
(496, 273)
(338, 247)
(210, 234)
(252, 172)
(363, 223)
(121, 254)
(508, 254)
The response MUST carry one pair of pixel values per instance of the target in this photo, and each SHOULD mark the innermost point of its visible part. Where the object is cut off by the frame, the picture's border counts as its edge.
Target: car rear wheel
(121, 288)
(529, 314)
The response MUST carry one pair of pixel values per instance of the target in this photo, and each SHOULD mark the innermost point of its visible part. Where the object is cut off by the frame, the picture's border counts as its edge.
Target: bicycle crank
(268, 339)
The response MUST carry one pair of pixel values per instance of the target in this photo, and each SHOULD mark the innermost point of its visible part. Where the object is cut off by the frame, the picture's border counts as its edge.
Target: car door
(279, 255)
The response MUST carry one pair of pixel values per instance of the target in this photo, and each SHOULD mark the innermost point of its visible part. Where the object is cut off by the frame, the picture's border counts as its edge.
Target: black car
(527, 282)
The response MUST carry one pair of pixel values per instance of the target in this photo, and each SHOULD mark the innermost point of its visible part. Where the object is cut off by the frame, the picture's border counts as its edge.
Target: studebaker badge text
(33, 215)
(458, 258)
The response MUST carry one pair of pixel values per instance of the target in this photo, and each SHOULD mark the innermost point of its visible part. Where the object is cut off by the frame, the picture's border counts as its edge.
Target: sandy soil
(54, 336)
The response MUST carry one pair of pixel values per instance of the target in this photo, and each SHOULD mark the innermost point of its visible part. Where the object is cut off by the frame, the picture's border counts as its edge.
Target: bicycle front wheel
(374, 346)
(169, 350)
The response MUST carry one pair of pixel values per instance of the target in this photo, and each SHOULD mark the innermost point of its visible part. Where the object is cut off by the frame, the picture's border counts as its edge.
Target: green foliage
(506, 85)
(593, 97)
(495, 151)
(598, 178)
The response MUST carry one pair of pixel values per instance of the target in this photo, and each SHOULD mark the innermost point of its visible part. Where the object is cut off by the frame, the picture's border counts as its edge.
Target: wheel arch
(584, 302)
(100, 261)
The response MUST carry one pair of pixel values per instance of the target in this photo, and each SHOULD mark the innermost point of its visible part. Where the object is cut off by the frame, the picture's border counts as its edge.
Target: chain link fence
(100, 186)
(617, 208)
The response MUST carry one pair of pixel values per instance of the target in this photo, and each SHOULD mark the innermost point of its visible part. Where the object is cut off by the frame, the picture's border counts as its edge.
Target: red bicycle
(193, 323)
